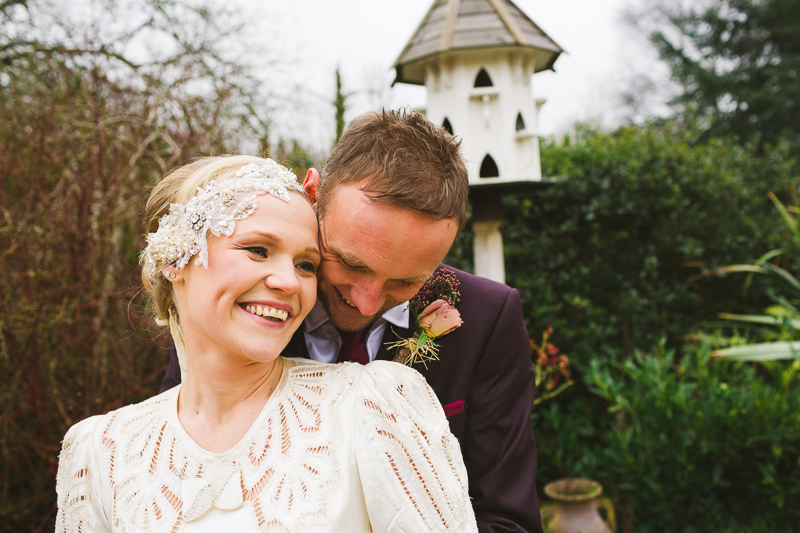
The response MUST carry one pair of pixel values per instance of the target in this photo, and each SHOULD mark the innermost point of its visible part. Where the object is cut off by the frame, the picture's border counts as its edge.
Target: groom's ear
(311, 184)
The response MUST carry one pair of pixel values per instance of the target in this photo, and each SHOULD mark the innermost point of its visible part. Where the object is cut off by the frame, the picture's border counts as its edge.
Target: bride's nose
(283, 278)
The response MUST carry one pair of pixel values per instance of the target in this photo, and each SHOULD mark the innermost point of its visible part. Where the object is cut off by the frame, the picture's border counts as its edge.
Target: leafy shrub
(782, 318)
(682, 445)
(605, 253)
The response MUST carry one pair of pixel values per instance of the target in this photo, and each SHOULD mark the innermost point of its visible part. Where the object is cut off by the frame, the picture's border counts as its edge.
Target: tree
(738, 63)
(98, 101)
(340, 105)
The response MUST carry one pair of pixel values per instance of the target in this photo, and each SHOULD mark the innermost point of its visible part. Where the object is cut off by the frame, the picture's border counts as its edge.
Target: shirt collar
(397, 316)
(316, 317)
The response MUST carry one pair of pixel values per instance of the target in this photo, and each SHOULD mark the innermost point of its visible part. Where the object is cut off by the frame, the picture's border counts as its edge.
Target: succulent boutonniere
(434, 310)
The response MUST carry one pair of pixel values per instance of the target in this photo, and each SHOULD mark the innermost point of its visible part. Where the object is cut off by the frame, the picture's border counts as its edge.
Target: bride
(252, 441)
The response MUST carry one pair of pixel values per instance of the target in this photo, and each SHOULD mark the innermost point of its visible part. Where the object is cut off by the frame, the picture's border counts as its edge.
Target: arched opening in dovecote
(489, 168)
(446, 125)
(483, 79)
(520, 122)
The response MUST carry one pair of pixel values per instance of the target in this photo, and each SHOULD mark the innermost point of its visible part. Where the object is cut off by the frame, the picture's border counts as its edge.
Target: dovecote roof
(452, 25)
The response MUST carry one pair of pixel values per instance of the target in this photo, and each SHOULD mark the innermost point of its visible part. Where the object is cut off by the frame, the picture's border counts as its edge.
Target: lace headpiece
(182, 232)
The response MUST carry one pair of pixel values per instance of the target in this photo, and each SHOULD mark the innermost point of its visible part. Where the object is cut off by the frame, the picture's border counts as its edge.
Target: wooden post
(487, 243)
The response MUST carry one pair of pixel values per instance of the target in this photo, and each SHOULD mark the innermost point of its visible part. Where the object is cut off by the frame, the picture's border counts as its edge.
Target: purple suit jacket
(484, 379)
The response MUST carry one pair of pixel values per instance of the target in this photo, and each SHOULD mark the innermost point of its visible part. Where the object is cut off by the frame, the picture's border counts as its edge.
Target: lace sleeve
(80, 505)
(409, 463)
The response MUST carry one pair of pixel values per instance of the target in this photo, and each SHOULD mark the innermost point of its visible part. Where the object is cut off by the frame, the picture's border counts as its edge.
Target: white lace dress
(336, 448)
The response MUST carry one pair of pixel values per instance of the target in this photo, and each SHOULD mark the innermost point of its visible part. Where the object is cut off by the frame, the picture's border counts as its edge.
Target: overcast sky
(364, 37)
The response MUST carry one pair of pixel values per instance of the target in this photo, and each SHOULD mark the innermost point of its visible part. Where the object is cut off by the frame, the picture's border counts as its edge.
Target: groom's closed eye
(350, 266)
(419, 280)
(347, 261)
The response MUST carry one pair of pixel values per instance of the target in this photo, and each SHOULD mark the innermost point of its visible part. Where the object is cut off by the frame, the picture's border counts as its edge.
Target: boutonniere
(434, 310)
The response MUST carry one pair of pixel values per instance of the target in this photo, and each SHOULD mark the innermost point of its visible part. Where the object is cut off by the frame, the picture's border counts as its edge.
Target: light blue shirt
(323, 341)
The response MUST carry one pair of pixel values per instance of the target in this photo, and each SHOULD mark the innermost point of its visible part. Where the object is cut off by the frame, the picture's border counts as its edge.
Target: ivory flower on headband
(182, 232)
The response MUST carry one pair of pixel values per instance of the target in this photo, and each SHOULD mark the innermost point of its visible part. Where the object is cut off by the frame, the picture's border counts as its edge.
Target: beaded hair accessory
(182, 232)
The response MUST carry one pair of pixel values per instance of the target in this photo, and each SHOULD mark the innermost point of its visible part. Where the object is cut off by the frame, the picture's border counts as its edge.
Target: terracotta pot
(575, 507)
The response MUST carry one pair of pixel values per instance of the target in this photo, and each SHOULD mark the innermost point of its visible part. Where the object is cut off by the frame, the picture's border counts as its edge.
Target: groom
(390, 203)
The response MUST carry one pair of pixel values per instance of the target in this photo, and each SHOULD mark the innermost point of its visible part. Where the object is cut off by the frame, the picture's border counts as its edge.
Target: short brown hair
(407, 161)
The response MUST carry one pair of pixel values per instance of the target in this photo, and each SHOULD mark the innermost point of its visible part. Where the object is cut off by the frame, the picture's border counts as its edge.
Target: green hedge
(693, 445)
(606, 253)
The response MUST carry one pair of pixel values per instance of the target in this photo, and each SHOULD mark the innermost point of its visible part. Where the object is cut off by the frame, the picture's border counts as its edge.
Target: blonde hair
(177, 187)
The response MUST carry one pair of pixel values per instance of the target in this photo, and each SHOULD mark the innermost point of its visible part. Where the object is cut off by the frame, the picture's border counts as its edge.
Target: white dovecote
(476, 58)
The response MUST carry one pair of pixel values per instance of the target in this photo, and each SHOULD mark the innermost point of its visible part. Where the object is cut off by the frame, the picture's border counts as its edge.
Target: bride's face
(259, 285)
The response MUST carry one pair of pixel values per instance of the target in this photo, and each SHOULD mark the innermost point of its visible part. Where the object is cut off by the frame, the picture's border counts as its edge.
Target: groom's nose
(368, 296)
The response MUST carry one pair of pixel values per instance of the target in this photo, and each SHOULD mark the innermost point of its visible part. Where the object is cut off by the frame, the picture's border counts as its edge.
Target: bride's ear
(172, 274)
(311, 184)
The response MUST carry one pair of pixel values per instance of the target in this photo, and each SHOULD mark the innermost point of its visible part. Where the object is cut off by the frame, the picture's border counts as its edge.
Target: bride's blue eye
(257, 250)
(307, 266)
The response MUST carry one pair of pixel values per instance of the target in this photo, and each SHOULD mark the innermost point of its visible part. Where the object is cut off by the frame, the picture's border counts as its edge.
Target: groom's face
(375, 256)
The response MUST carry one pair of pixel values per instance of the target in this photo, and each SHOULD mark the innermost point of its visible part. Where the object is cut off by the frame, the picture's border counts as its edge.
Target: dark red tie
(354, 346)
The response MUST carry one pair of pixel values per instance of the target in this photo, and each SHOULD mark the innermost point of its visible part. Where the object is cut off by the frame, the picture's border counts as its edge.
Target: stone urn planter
(576, 507)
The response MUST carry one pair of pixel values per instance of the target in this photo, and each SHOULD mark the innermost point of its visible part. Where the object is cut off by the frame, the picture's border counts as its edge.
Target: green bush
(606, 253)
(689, 445)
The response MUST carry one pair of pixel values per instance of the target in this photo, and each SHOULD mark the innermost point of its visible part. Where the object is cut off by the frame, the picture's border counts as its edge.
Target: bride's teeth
(270, 312)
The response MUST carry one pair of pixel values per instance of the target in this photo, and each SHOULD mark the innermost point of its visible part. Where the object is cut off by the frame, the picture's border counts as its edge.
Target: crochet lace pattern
(287, 466)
